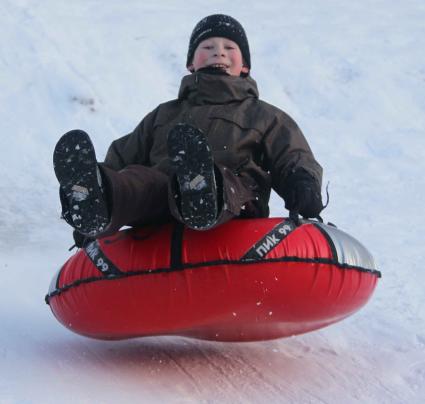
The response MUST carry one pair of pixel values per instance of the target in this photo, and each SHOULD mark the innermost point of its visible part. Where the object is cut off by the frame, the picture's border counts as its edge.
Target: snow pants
(139, 195)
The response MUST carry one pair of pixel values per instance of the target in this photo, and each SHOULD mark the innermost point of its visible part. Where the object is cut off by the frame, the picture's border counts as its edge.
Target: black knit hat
(219, 25)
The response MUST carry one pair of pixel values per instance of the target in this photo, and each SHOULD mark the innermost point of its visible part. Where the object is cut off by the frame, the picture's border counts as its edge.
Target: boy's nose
(219, 52)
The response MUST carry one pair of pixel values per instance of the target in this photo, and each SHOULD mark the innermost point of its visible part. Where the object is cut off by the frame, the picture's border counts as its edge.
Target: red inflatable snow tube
(246, 280)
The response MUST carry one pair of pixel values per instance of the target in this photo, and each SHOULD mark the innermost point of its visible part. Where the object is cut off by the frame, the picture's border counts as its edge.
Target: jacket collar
(202, 88)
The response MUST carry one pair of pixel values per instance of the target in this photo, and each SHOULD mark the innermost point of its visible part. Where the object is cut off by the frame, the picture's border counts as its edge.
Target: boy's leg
(83, 201)
(138, 195)
(238, 195)
(203, 195)
(96, 200)
(193, 166)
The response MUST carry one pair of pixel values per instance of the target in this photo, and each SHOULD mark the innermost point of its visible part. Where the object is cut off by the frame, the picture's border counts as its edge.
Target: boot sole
(76, 169)
(193, 165)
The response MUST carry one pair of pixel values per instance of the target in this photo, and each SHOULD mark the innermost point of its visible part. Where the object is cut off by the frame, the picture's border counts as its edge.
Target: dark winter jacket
(256, 140)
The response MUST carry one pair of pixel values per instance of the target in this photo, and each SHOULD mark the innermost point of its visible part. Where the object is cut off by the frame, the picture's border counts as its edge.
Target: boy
(211, 155)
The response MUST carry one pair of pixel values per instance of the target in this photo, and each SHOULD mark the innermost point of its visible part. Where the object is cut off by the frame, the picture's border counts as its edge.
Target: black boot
(193, 165)
(84, 204)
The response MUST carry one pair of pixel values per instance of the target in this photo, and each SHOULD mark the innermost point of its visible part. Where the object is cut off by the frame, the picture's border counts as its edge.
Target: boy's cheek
(201, 57)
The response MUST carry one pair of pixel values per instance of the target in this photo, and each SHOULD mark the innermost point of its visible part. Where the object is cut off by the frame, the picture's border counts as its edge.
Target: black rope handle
(295, 217)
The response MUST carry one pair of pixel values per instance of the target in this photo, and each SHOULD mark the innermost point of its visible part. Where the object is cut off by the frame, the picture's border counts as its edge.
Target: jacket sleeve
(287, 151)
(133, 148)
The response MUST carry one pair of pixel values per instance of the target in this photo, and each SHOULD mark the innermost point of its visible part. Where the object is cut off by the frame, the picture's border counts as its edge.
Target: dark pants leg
(139, 195)
(235, 197)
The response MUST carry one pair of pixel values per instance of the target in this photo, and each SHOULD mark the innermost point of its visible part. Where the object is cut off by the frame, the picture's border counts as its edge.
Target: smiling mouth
(219, 66)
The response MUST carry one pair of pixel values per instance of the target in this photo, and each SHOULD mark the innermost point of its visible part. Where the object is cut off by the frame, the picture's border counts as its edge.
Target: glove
(81, 241)
(302, 194)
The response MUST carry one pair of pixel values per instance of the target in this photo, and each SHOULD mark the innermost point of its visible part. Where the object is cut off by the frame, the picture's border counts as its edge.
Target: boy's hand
(303, 194)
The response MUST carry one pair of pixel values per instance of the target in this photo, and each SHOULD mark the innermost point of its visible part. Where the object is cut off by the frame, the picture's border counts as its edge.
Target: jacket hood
(202, 88)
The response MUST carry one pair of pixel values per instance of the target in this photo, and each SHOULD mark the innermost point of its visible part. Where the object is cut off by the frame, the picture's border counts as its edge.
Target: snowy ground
(352, 74)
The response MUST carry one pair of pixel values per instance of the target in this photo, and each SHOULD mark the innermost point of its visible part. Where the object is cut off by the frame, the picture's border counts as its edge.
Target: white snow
(352, 74)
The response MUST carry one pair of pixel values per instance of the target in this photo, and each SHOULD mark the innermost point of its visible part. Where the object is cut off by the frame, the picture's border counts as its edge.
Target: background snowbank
(353, 77)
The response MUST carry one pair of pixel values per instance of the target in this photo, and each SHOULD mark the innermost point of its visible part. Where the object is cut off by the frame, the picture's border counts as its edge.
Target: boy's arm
(296, 175)
(132, 148)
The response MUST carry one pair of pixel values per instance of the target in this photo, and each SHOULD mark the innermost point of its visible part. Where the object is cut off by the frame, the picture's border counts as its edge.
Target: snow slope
(352, 74)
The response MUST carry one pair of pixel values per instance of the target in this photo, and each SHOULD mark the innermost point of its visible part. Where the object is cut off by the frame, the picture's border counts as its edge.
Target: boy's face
(219, 52)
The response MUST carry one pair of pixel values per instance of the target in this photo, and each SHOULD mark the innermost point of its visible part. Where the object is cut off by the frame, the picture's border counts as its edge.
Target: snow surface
(352, 74)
